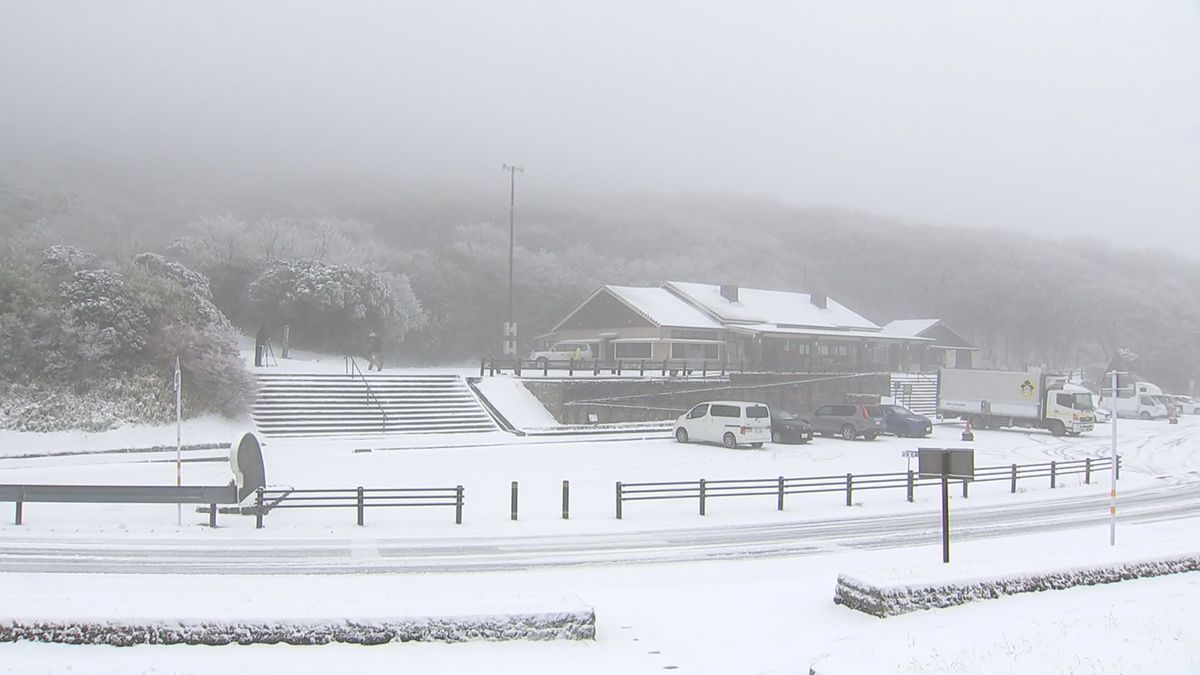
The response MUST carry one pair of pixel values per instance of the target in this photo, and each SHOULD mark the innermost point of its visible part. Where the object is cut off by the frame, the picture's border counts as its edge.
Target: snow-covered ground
(716, 613)
(486, 464)
(763, 616)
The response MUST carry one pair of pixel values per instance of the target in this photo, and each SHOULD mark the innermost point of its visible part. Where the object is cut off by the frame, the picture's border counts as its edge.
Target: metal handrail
(351, 369)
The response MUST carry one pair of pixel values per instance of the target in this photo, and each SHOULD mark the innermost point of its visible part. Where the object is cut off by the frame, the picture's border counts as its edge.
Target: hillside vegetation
(431, 270)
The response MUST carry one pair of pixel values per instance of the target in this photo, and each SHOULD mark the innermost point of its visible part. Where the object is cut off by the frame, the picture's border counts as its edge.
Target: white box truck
(993, 399)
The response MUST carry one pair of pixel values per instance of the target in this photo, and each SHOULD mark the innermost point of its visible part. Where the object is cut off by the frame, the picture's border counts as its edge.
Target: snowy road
(359, 555)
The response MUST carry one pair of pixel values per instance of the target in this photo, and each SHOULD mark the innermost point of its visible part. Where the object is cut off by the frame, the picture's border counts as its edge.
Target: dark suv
(849, 420)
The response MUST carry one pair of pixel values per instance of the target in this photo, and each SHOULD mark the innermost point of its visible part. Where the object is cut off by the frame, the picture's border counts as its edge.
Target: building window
(797, 347)
(693, 350)
(833, 350)
(632, 350)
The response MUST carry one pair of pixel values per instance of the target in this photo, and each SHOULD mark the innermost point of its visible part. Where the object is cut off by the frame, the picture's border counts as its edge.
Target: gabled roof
(782, 308)
(662, 307)
(943, 336)
(657, 305)
(910, 327)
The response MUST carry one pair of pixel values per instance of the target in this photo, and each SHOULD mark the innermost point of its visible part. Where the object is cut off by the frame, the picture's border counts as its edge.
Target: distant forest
(431, 267)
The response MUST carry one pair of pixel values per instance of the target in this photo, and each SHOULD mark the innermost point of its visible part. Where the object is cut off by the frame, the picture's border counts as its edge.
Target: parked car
(730, 423)
(562, 351)
(905, 423)
(848, 420)
(1190, 405)
(1174, 408)
(787, 427)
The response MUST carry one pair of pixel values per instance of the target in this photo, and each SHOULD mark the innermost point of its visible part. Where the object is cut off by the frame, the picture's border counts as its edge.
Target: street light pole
(510, 328)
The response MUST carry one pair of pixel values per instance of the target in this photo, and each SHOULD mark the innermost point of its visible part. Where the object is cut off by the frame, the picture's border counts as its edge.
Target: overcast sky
(1062, 117)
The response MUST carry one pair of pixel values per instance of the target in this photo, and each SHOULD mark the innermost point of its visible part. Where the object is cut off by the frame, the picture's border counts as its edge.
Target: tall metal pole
(1112, 495)
(511, 339)
(178, 438)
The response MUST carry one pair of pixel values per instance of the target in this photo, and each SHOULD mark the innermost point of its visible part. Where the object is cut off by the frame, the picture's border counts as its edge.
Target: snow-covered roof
(772, 329)
(783, 308)
(910, 327)
(662, 307)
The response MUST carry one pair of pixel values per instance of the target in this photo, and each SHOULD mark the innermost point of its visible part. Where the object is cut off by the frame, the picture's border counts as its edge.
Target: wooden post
(849, 489)
(780, 507)
(618, 500)
(360, 506)
(514, 500)
(702, 495)
(566, 499)
(458, 505)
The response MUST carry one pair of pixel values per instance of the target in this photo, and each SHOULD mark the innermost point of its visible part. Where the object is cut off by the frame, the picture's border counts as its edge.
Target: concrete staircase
(916, 391)
(344, 405)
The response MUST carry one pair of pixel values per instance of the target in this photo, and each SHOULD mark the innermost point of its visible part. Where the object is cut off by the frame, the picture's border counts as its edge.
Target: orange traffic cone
(968, 434)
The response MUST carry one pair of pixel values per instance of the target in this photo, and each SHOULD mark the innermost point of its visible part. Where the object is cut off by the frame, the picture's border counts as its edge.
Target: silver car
(849, 420)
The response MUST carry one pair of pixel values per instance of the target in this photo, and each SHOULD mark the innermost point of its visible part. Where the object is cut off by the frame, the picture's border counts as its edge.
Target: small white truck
(993, 399)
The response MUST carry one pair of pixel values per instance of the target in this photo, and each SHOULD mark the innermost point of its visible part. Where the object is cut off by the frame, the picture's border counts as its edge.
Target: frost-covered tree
(335, 306)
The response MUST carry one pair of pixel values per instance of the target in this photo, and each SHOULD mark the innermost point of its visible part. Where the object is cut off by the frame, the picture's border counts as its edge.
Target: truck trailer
(994, 399)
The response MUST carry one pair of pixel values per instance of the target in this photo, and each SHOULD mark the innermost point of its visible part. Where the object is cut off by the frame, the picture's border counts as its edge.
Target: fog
(1057, 118)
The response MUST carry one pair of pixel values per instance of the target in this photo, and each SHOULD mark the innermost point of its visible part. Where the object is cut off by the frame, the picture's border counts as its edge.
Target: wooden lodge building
(756, 328)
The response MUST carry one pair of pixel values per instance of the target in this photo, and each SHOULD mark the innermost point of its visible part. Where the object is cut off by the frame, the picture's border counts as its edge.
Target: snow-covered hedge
(890, 598)
(570, 625)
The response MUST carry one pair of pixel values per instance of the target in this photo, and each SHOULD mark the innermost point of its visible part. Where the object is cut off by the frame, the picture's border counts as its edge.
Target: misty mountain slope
(1023, 300)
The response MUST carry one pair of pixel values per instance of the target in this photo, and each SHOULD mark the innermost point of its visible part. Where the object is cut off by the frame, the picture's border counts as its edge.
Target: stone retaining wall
(641, 400)
(570, 625)
(884, 599)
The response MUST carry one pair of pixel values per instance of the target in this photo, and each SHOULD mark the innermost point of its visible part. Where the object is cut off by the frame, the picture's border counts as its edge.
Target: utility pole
(510, 327)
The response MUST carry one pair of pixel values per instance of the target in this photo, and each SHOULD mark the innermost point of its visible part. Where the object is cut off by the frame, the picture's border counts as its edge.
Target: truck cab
(1075, 409)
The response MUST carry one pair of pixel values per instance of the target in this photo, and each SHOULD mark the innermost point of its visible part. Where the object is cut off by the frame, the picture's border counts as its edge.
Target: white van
(730, 423)
(562, 351)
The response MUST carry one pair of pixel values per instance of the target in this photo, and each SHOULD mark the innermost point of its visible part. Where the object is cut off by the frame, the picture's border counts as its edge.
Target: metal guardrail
(664, 368)
(353, 369)
(620, 367)
(359, 498)
(120, 494)
(703, 490)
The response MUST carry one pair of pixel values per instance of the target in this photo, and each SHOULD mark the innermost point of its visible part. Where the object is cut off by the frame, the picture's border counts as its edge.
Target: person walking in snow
(374, 352)
(260, 346)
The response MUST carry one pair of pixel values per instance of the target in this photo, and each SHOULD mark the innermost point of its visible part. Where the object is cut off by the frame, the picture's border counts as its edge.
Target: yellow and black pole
(1112, 495)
